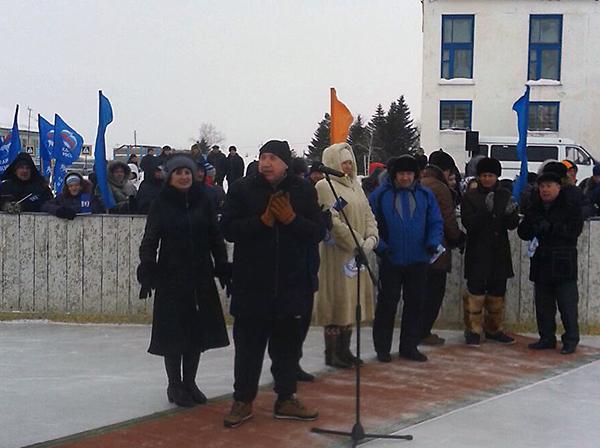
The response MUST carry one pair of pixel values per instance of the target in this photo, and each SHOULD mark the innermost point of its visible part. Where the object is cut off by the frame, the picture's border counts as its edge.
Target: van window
(578, 156)
(508, 153)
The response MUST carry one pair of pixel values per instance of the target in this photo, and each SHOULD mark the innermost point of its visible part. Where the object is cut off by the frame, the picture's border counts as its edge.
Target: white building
(478, 56)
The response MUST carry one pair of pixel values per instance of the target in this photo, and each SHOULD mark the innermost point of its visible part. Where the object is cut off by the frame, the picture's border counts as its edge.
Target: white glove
(369, 244)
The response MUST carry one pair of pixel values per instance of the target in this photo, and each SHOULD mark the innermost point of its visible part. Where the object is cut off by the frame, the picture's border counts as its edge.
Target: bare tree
(210, 135)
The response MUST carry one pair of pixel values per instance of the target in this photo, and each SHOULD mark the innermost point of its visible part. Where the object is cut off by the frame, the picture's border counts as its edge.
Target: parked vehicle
(539, 149)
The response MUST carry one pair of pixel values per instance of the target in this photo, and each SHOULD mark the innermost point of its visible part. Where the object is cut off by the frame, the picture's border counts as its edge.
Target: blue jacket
(409, 222)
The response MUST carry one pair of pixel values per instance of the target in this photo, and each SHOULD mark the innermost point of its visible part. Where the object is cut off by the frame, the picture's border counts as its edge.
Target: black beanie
(549, 177)
(557, 168)
(280, 148)
(403, 163)
(442, 160)
(489, 165)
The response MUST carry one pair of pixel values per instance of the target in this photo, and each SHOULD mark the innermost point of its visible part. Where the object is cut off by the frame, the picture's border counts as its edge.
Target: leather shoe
(304, 376)
(413, 354)
(178, 393)
(542, 344)
(568, 349)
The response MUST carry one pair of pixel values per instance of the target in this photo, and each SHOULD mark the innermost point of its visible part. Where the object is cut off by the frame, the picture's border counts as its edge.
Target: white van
(539, 149)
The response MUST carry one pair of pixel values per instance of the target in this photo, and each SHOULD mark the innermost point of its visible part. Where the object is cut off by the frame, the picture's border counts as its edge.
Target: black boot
(190, 370)
(176, 391)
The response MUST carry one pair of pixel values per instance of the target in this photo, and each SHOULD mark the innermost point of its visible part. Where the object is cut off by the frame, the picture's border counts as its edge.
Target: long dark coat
(555, 259)
(188, 317)
(271, 265)
(487, 253)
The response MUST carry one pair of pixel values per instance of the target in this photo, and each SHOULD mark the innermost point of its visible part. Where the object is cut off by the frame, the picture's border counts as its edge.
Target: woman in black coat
(187, 318)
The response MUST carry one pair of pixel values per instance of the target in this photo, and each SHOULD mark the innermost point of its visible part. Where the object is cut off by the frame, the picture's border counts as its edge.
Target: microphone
(326, 170)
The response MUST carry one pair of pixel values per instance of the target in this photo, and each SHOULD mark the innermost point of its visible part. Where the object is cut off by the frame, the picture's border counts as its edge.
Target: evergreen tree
(359, 138)
(378, 129)
(204, 146)
(401, 136)
(320, 140)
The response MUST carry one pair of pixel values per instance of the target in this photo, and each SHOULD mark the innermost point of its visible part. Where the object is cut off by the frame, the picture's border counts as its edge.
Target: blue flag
(521, 107)
(67, 147)
(46, 130)
(11, 146)
(104, 119)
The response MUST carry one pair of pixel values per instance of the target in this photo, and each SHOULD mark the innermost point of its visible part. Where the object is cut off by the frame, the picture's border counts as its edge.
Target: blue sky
(256, 70)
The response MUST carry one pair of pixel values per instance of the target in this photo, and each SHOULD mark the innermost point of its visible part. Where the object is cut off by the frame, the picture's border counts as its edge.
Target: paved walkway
(94, 385)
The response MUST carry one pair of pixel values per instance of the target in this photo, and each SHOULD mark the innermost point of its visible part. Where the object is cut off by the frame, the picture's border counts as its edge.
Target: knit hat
(557, 168)
(596, 170)
(403, 163)
(73, 178)
(315, 167)
(176, 161)
(489, 165)
(299, 165)
(280, 148)
(548, 177)
(442, 160)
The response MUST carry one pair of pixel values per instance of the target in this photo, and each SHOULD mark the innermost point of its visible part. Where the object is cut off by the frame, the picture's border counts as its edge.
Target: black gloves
(66, 213)
(327, 219)
(542, 228)
(431, 250)
(147, 275)
(224, 272)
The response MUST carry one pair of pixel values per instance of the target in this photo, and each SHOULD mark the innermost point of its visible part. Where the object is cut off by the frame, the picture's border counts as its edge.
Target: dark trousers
(492, 287)
(251, 337)
(305, 321)
(434, 296)
(410, 282)
(547, 297)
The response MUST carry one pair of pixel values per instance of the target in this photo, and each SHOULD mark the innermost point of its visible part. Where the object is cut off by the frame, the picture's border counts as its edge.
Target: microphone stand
(357, 433)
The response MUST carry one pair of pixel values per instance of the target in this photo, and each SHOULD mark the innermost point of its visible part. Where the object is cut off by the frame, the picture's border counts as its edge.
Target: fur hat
(403, 163)
(557, 168)
(489, 165)
(176, 161)
(548, 177)
(442, 160)
(280, 148)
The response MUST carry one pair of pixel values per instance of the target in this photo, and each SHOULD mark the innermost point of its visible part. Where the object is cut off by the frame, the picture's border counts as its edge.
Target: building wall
(500, 60)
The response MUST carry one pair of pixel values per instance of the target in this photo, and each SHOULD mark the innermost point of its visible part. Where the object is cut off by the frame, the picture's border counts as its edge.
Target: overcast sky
(256, 70)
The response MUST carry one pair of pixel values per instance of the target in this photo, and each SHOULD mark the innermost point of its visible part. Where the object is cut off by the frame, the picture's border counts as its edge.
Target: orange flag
(341, 119)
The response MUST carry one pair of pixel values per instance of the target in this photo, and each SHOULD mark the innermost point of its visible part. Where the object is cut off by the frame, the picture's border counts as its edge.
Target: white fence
(87, 266)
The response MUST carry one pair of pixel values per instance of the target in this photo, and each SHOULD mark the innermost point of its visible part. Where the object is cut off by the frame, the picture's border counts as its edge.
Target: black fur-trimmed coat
(187, 310)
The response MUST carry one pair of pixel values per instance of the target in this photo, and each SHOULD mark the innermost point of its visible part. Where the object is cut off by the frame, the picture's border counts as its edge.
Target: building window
(457, 46)
(455, 114)
(543, 116)
(545, 42)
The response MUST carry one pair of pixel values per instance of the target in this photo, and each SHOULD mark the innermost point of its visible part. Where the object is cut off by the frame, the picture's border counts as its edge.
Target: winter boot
(473, 313)
(494, 314)
(332, 343)
(345, 353)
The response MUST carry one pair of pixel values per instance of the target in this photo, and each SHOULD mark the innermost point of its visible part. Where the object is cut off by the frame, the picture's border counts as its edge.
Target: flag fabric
(11, 146)
(105, 117)
(521, 107)
(340, 119)
(67, 147)
(46, 130)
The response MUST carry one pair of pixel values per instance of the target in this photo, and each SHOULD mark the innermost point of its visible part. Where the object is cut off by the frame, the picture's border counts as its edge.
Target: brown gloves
(267, 217)
(282, 208)
(279, 208)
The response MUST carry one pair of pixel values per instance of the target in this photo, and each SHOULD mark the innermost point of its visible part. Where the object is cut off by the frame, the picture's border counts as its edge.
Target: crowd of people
(301, 243)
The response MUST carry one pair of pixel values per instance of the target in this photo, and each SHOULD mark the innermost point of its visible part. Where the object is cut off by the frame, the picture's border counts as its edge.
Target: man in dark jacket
(435, 177)
(150, 187)
(273, 218)
(410, 231)
(488, 212)
(217, 159)
(574, 194)
(555, 223)
(234, 166)
(23, 188)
